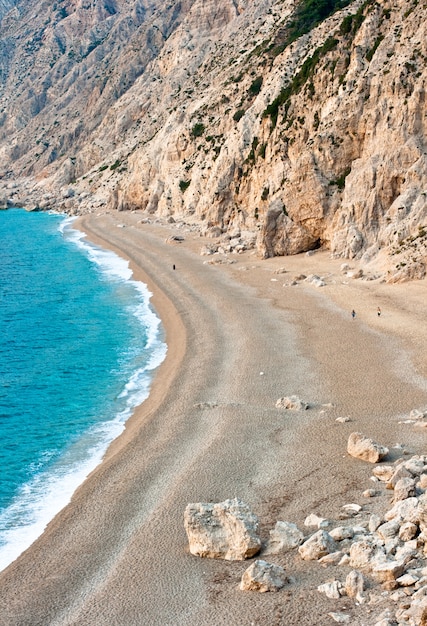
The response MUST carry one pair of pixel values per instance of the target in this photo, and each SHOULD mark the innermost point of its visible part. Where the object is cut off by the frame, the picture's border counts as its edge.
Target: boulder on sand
(354, 584)
(262, 576)
(318, 545)
(284, 537)
(366, 449)
(291, 403)
(225, 530)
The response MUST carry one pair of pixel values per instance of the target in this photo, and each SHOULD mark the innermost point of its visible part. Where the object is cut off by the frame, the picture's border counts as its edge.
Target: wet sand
(238, 340)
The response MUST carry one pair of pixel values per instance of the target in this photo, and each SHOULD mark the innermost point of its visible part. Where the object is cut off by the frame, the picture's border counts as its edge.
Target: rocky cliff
(301, 122)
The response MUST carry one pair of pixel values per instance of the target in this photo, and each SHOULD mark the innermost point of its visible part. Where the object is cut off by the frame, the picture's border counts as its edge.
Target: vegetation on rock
(317, 106)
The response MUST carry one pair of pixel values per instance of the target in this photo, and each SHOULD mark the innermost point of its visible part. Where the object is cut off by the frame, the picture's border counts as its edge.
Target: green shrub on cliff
(238, 115)
(310, 13)
(300, 79)
(184, 184)
(198, 129)
(255, 87)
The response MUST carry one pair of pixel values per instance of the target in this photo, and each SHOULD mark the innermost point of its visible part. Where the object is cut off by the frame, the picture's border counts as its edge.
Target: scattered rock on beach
(206, 405)
(225, 530)
(350, 510)
(416, 414)
(388, 571)
(354, 585)
(391, 551)
(339, 533)
(208, 249)
(317, 281)
(340, 618)
(383, 472)
(175, 239)
(370, 493)
(399, 473)
(404, 488)
(334, 558)
(315, 520)
(331, 590)
(292, 403)
(284, 537)
(355, 274)
(365, 449)
(262, 576)
(386, 554)
(318, 545)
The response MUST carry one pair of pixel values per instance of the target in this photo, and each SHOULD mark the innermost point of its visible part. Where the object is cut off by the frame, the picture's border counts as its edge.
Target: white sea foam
(41, 499)
(44, 496)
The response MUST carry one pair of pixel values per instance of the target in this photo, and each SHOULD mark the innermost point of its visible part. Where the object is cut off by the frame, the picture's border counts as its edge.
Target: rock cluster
(233, 243)
(389, 550)
(384, 556)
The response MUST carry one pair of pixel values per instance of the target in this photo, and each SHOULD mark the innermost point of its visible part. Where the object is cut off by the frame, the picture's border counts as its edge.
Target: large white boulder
(262, 576)
(366, 449)
(225, 530)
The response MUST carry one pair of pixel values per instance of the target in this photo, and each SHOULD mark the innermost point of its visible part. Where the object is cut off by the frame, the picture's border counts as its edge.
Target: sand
(238, 340)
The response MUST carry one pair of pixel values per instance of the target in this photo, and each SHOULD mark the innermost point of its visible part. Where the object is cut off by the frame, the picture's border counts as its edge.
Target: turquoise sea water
(78, 344)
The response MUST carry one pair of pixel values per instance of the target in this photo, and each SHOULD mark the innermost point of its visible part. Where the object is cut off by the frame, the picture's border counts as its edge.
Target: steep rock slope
(301, 122)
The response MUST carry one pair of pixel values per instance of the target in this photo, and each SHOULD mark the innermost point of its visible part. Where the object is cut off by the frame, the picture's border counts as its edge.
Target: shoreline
(38, 505)
(171, 326)
(209, 430)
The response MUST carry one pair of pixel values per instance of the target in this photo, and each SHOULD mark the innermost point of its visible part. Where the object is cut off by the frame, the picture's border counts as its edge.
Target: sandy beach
(239, 337)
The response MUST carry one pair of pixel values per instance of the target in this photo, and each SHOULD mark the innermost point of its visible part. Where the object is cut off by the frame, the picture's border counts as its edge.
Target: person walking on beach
(353, 314)
(378, 311)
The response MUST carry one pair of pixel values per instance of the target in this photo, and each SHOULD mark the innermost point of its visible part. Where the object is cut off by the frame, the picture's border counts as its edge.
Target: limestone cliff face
(232, 114)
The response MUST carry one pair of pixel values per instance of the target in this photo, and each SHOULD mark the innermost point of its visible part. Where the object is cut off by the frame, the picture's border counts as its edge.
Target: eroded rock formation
(306, 130)
(224, 530)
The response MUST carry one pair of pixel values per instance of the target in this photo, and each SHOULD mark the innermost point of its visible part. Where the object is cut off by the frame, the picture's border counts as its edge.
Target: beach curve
(210, 430)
